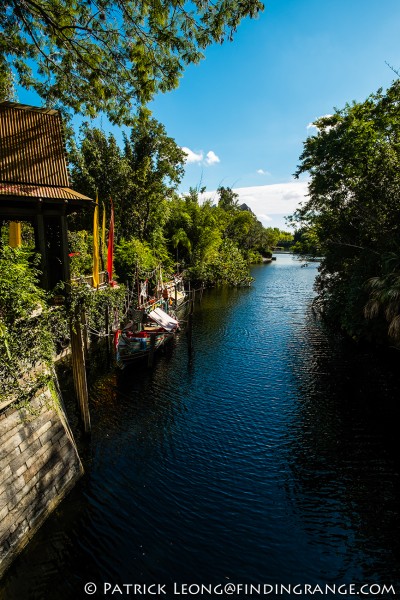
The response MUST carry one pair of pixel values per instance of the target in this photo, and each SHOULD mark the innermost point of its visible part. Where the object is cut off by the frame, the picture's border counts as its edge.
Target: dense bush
(352, 215)
(25, 332)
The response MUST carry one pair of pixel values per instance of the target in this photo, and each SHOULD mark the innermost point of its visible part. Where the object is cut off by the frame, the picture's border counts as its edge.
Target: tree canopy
(108, 55)
(353, 212)
(139, 179)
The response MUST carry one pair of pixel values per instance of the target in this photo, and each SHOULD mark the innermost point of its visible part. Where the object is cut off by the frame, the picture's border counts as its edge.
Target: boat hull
(132, 348)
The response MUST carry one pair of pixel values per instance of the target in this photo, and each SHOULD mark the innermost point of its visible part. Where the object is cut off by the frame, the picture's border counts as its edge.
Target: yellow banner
(103, 236)
(14, 234)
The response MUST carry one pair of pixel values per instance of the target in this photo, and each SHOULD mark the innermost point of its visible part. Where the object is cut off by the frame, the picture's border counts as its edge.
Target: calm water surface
(269, 457)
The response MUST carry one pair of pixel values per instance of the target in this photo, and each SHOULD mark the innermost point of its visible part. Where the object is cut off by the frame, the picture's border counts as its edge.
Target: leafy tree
(97, 164)
(353, 207)
(228, 199)
(306, 242)
(107, 55)
(132, 254)
(228, 266)
(139, 179)
(156, 166)
(7, 92)
(193, 229)
(384, 297)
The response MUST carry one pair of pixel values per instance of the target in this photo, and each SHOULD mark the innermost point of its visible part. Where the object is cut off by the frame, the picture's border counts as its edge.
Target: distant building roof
(32, 154)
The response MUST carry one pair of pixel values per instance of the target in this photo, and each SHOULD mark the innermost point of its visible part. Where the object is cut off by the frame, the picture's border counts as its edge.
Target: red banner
(110, 248)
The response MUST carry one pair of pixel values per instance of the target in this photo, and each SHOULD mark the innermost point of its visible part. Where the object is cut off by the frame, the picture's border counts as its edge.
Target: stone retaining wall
(39, 464)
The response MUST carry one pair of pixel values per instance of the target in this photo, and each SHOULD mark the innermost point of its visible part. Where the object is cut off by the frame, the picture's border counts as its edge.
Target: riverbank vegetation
(119, 57)
(352, 215)
(214, 240)
(25, 336)
(33, 330)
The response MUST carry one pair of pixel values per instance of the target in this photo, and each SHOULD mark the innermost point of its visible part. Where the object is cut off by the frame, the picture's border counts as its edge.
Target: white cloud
(198, 157)
(312, 126)
(211, 158)
(271, 203)
(193, 157)
(262, 172)
(263, 217)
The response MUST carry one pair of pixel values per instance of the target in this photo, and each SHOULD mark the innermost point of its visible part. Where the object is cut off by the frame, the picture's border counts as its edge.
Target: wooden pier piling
(189, 331)
(79, 371)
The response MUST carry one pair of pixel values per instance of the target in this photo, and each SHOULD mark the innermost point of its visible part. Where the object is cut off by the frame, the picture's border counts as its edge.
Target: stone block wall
(39, 464)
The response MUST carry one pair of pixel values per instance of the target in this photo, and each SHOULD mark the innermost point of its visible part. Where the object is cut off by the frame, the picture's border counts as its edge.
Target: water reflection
(263, 458)
(344, 478)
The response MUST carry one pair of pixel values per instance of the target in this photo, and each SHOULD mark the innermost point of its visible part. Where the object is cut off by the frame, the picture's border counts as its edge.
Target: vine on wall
(32, 330)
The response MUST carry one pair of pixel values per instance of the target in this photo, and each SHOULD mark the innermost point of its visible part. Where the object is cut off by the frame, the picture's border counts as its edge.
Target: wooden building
(34, 183)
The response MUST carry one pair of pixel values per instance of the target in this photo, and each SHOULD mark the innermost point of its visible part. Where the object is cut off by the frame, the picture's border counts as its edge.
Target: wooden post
(176, 296)
(189, 332)
(79, 371)
(85, 337)
(152, 348)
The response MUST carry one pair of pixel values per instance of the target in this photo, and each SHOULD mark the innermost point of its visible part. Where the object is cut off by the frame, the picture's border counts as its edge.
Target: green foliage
(140, 179)
(25, 336)
(85, 300)
(152, 223)
(31, 331)
(97, 165)
(306, 242)
(7, 90)
(199, 234)
(81, 247)
(253, 257)
(156, 168)
(352, 215)
(228, 199)
(228, 266)
(95, 57)
(133, 254)
(384, 295)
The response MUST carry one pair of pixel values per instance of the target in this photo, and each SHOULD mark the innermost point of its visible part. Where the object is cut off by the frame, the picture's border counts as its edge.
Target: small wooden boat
(144, 336)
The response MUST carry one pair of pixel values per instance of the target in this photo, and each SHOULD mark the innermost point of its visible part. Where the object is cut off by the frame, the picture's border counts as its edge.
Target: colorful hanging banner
(14, 234)
(103, 247)
(96, 244)
(110, 249)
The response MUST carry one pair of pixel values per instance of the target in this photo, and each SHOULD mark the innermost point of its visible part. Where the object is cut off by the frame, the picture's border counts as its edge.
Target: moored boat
(153, 322)
(144, 335)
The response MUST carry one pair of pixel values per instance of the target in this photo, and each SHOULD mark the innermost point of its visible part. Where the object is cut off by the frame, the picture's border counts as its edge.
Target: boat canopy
(163, 319)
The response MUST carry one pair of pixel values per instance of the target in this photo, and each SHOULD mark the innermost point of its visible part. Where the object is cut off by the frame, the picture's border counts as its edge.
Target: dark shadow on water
(342, 450)
(269, 456)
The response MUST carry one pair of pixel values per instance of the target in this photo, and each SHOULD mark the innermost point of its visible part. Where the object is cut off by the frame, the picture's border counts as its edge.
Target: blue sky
(243, 112)
(250, 101)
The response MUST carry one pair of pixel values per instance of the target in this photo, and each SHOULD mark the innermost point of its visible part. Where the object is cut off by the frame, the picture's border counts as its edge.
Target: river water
(269, 456)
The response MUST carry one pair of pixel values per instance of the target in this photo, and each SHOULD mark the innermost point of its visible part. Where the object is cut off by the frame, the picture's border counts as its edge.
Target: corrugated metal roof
(32, 153)
(40, 191)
